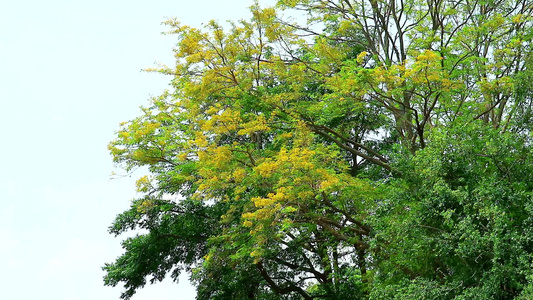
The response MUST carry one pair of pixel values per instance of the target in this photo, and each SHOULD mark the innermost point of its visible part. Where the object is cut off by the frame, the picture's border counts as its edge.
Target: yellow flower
(361, 57)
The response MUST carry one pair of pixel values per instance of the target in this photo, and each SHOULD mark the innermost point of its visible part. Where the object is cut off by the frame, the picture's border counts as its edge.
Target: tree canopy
(369, 149)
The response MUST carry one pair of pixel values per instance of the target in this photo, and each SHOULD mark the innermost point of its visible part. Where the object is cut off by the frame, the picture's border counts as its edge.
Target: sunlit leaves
(378, 149)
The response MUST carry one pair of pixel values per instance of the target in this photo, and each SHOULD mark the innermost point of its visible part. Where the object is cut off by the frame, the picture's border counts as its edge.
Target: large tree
(369, 149)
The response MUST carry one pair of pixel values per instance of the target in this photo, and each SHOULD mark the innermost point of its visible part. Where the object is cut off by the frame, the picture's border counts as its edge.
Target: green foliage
(381, 150)
(462, 221)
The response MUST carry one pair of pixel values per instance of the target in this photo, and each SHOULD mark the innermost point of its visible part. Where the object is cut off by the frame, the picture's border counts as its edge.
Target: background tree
(380, 150)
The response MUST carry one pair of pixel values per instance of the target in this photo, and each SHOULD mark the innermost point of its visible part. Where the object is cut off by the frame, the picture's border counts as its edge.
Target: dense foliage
(376, 150)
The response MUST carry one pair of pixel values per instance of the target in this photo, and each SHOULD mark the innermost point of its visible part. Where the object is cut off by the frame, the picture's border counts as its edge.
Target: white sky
(69, 73)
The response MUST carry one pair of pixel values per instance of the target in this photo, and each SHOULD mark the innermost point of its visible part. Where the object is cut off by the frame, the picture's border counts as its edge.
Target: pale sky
(69, 73)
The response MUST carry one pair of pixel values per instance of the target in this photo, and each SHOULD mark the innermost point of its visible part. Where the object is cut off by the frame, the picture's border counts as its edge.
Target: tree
(380, 150)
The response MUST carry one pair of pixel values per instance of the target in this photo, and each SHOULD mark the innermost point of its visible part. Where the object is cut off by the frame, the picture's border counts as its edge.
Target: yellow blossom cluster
(143, 184)
(145, 205)
(145, 129)
(223, 121)
(257, 125)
